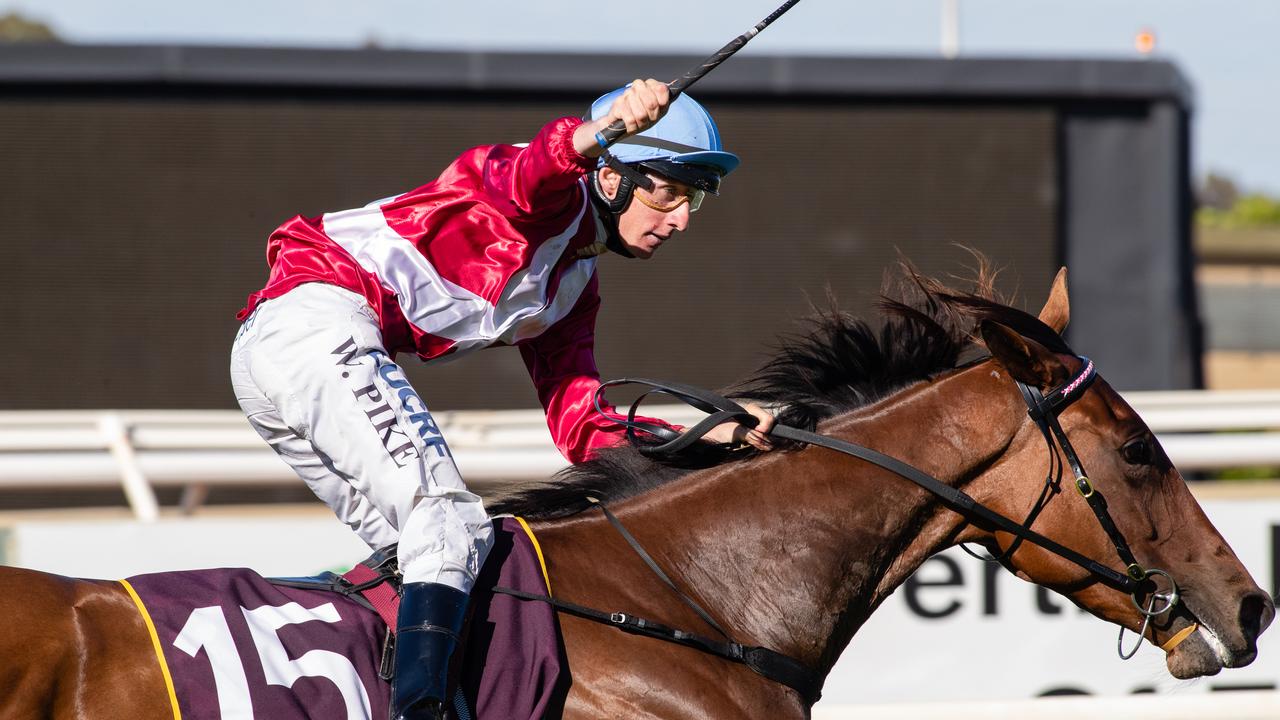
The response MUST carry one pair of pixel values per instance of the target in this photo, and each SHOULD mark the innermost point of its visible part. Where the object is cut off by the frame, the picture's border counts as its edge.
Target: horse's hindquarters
(75, 649)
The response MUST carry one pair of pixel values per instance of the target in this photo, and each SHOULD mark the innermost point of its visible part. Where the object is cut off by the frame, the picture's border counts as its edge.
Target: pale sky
(1226, 47)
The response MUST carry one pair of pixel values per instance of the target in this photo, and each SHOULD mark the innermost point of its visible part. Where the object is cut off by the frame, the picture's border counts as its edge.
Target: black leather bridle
(1043, 409)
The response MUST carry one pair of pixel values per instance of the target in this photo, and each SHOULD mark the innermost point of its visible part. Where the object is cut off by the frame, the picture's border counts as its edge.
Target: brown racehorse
(790, 550)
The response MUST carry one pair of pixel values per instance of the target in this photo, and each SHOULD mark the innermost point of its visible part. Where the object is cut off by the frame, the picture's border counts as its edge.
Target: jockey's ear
(609, 179)
(1057, 309)
(1026, 360)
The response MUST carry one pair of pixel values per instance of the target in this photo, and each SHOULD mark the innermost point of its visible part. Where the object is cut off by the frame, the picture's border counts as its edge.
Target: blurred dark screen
(135, 225)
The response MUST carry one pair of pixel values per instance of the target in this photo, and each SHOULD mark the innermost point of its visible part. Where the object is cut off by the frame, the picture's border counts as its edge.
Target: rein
(1042, 408)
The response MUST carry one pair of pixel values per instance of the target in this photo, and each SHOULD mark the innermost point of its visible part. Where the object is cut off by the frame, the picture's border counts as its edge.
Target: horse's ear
(1026, 360)
(1057, 309)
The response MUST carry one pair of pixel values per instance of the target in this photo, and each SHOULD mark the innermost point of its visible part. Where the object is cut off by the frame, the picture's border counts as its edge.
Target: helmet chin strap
(614, 242)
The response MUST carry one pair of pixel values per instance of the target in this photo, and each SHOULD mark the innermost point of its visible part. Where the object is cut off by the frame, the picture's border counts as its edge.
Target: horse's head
(1221, 610)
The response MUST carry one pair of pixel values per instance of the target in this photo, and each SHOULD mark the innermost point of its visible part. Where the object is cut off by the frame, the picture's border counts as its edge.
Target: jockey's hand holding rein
(732, 433)
(643, 104)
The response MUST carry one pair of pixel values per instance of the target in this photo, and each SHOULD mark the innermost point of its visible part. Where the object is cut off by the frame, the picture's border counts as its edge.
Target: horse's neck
(795, 550)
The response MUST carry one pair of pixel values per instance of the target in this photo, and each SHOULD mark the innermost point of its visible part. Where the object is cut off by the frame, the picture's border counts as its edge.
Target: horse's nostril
(1256, 613)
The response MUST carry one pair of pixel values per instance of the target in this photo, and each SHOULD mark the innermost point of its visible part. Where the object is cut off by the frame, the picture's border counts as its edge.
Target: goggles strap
(636, 177)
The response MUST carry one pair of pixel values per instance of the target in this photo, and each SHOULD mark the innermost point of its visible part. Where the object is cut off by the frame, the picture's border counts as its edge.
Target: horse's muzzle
(1257, 610)
(1210, 649)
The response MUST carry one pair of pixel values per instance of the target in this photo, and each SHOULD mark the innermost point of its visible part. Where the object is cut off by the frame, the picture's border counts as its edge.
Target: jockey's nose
(679, 218)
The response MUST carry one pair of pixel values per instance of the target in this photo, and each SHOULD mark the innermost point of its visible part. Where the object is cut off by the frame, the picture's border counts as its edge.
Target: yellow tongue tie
(1178, 637)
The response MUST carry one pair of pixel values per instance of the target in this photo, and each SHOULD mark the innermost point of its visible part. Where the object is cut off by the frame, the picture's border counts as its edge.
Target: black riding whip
(618, 128)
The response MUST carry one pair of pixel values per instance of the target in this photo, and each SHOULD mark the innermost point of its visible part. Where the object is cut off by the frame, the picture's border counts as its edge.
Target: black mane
(839, 363)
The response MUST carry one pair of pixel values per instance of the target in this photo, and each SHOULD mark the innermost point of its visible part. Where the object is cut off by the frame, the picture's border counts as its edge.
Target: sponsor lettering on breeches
(377, 407)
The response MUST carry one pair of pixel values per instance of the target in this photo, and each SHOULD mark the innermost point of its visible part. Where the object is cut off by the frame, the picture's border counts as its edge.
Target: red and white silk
(490, 253)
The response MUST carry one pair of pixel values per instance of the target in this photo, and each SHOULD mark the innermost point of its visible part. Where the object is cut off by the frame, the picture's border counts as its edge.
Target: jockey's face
(652, 217)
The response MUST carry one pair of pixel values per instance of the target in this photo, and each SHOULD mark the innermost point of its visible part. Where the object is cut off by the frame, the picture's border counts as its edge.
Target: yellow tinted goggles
(666, 198)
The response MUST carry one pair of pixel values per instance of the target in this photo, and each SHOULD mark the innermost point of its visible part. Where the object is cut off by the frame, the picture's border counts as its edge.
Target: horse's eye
(1138, 451)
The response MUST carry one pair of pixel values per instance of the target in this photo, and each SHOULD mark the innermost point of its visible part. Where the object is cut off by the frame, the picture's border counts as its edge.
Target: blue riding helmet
(684, 145)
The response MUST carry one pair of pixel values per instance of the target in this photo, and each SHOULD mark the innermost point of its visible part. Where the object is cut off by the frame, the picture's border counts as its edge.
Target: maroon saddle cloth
(234, 645)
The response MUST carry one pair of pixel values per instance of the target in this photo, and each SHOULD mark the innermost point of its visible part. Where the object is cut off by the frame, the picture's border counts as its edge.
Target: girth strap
(639, 550)
(765, 662)
(768, 663)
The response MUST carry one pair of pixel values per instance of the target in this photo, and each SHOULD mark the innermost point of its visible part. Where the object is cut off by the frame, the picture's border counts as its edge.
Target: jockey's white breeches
(311, 372)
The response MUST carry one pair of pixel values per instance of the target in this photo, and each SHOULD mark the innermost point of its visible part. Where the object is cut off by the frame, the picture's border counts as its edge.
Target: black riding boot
(427, 629)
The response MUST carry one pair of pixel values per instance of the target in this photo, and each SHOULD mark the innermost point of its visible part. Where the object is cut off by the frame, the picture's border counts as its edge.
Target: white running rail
(1237, 705)
(139, 450)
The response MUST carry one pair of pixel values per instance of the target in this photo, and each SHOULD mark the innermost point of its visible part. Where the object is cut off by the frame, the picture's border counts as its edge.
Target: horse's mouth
(1206, 652)
(1194, 656)
(1202, 654)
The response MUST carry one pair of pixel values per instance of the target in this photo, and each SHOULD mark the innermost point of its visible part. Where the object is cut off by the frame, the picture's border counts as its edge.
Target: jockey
(500, 249)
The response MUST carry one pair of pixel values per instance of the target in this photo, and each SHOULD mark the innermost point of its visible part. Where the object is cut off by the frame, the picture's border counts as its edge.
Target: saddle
(374, 583)
(379, 568)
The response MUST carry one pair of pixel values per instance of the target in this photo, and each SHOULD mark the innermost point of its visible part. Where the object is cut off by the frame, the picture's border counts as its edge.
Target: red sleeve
(562, 363)
(537, 180)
